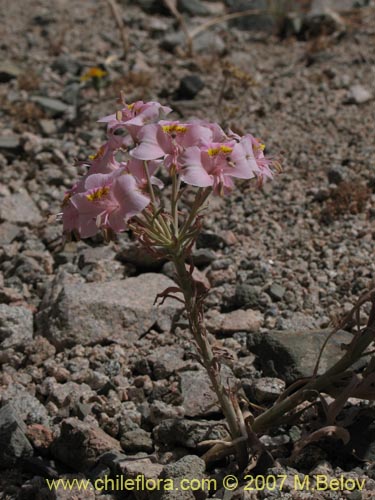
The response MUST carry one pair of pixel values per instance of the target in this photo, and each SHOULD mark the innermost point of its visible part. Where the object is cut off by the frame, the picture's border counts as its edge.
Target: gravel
(89, 364)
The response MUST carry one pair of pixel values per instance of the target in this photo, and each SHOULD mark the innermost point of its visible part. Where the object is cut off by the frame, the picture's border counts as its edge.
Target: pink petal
(192, 171)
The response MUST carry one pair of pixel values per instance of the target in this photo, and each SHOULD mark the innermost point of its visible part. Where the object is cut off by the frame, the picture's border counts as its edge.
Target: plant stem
(210, 363)
(270, 417)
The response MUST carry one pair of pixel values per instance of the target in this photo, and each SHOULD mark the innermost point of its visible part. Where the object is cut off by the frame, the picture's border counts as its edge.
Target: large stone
(199, 397)
(53, 107)
(121, 310)
(10, 143)
(19, 208)
(189, 467)
(27, 406)
(291, 355)
(80, 444)
(8, 71)
(236, 321)
(16, 326)
(189, 433)
(166, 360)
(13, 441)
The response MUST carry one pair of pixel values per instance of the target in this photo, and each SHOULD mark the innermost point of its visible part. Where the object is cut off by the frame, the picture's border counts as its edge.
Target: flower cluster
(198, 153)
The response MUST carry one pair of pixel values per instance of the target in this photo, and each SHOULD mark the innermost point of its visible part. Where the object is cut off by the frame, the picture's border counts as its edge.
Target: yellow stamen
(222, 149)
(98, 194)
(174, 128)
(260, 146)
(131, 106)
(98, 154)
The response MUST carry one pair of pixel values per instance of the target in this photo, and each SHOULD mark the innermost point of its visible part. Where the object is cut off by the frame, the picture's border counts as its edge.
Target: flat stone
(119, 311)
(16, 326)
(13, 441)
(8, 232)
(146, 468)
(290, 355)
(136, 441)
(276, 292)
(189, 467)
(10, 142)
(199, 398)
(267, 389)
(192, 7)
(166, 360)
(80, 444)
(8, 71)
(19, 208)
(53, 107)
(241, 320)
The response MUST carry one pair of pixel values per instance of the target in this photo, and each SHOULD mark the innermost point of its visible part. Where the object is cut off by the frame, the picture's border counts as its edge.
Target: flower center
(98, 194)
(221, 149)
(174, 128)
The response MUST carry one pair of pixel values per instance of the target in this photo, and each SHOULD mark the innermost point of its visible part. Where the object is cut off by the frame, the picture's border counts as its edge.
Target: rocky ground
(92, 374)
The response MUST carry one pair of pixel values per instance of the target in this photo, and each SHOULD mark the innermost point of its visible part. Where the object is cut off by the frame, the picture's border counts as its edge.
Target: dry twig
(120, 24)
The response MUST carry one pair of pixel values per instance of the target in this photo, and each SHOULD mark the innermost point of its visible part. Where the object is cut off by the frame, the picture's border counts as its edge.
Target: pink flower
(168, 139)
(105, 201)
(132, 117)
(214, 164)
(137, 169)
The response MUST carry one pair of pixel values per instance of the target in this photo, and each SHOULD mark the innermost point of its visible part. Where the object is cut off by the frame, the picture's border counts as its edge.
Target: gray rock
(27, 406)
(267, 389)
(80, 444)
(358, 95)
(199, 398)
(121, 310)
(246, 296)
(210, 239)
(16, 326)
(166, 360)
(53, 107)
(192, 7)
(8, 232)
(143, 467)
(336, 175)
(10, 143)
(189, 433)
(65, 395)
(204, 42)
(65, 63)
(276, 292)
(136, 441)
(290, 355)
(251, 22)
(13, 441)
(19, 208)
(189, 87)
(203, 256)
(188, 467)
(8, 71)
(159, 411)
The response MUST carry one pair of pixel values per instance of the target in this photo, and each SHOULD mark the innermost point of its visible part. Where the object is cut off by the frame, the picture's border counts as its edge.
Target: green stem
(209, 361)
